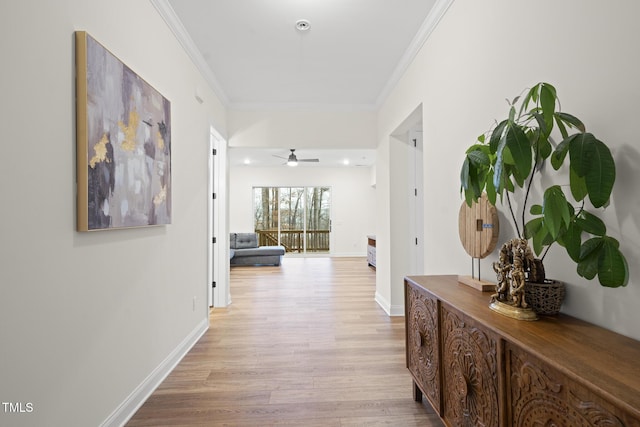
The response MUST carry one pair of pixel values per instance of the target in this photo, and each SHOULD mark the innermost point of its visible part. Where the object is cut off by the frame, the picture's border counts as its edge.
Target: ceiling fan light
(292, 160)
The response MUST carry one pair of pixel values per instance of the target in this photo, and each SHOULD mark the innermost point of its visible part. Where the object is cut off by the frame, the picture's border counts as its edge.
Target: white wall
(302, 129)
(86, 318)
(352, 200)
(481, 54)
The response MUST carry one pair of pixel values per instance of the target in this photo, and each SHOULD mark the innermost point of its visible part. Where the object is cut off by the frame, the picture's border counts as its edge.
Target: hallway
(303, 344)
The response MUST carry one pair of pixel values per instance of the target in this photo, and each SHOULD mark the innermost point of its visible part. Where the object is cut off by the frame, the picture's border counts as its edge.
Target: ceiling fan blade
(280, 157)
(309, 160)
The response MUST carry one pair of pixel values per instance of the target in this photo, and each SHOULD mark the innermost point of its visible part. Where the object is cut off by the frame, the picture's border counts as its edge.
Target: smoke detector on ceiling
(303, 25)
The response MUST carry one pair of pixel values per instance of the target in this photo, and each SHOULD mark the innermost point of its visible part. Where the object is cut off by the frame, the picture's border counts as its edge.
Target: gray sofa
(245, 251)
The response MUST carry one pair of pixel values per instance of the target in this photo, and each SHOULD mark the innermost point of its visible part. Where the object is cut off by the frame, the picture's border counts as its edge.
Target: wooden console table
(477, 367)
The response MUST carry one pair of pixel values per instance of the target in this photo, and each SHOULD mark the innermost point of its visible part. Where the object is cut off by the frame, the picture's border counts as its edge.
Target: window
(299, 218)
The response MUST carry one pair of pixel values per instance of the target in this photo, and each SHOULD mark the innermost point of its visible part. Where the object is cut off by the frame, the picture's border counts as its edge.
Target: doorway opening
(407, 239)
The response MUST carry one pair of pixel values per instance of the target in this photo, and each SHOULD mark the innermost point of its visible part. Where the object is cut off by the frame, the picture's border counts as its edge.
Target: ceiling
(351, 56)
(266, 157)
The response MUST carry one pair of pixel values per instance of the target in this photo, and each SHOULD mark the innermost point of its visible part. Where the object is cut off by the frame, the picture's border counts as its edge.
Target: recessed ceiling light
(302, 25)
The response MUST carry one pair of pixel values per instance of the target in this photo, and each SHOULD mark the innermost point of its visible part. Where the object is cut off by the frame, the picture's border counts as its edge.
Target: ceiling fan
(293, 160)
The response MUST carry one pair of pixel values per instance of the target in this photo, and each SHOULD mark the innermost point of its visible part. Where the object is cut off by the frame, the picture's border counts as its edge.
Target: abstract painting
(123, 144)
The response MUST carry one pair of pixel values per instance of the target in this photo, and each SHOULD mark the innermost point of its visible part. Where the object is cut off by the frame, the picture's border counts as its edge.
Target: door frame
(218, 252)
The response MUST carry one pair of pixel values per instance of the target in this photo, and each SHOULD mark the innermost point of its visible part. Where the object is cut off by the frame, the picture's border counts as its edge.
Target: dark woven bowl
(545, 298)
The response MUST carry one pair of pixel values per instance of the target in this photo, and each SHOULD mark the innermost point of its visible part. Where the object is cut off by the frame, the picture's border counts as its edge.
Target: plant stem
(526, 194)
(513, 216)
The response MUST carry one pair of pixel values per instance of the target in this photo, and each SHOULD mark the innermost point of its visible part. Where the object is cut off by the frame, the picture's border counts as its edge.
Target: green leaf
(496, 136)
(570, 120)
(589, 247)
(517, 176)
(536, 210)
(478, 158)
(579, 148)
(464, 174)
(520, 151)
(571, 241)
(525, 101)
(509, 185)
(601, 174)
(561, 126)
(472, 180)
(476, 180)
(475, 147)
(548, 104)
(560, 153)
(490, 188)
(532, 227)
(543, 145)
(541, 124)
(613, 270)
(536, 231)
(591, 224)
(589, 258)
(499, 163)
(468, 197)
(535, 92)
(512, 115)
(555, 210)
(507, 157)
(578, 185)
(592, 159)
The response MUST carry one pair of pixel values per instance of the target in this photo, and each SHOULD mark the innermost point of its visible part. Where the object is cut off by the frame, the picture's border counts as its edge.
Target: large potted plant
(510, 160)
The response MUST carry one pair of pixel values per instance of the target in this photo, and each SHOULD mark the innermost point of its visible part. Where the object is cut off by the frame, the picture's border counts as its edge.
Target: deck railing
(292, 240)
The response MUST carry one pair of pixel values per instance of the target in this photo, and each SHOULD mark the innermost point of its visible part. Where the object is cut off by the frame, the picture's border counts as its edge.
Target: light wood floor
(303, 344)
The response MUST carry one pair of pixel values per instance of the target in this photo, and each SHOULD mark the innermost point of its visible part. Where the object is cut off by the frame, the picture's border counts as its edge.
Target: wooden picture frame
(123, 144)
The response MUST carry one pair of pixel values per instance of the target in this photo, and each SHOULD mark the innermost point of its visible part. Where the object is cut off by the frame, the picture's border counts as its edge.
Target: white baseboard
(391, 310)
(397, 310)
(326, 255)
(136, 399)
(382, 302)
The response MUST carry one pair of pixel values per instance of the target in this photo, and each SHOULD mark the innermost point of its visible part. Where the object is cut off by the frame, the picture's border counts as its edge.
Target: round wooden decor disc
(479, 228)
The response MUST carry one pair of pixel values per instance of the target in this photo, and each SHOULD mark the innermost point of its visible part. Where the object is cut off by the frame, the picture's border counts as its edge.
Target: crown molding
(433, 18)
(179, 31)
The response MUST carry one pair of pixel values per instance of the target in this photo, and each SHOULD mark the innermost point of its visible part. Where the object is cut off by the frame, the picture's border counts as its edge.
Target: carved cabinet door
(470, 372)
(541, 396)
(422, 343)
